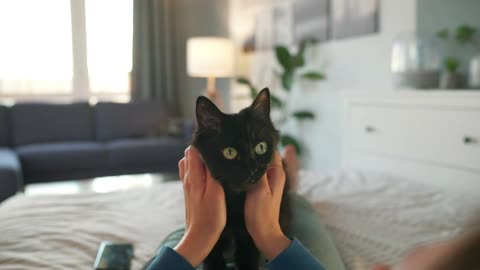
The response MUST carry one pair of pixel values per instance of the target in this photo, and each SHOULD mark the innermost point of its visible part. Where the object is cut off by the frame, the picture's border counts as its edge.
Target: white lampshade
(210, 57)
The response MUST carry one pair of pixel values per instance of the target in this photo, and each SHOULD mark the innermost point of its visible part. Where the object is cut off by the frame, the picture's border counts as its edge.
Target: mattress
(372, 218)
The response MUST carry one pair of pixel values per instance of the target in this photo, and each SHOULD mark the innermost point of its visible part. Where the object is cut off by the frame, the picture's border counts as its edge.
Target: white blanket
(378, 218)
(373, 218)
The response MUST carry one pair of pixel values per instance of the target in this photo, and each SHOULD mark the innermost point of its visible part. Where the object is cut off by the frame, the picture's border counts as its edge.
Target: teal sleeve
(169, 259)
(295, 256)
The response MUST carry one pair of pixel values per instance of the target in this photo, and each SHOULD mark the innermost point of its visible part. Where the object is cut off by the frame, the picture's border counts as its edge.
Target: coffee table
(99, 184)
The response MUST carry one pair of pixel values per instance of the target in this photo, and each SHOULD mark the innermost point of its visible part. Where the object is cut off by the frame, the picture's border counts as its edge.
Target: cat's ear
(208, 115)
(261, 104)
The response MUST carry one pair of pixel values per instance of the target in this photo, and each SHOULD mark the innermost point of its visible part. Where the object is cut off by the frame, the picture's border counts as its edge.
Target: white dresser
(428, 136)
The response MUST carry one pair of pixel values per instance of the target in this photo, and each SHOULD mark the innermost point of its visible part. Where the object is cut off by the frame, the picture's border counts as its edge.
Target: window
(39, 62)
(109, 45)
(35, 47)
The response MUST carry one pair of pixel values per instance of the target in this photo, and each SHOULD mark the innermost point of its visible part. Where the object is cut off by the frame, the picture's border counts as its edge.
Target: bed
(375, 210)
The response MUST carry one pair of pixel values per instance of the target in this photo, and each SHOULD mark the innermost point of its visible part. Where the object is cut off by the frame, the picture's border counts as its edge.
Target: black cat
(237, 149)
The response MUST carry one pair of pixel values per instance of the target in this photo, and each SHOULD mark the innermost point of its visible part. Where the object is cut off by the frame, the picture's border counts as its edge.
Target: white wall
(359, 64)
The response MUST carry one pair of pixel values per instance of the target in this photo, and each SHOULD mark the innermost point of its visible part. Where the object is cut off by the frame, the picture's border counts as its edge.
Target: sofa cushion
(39, 123)
(10, 173)
(48, 158)
(133, 153)
(130, 120)
(4, 126)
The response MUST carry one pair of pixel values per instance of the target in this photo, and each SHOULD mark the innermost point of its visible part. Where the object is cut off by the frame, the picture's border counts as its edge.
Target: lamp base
(215, 97)
(212, 93)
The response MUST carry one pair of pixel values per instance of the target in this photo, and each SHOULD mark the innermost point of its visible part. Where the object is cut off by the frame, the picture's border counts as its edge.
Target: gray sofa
(51, 142)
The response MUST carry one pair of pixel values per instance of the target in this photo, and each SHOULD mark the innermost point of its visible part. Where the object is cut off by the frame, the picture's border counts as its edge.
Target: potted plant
(465, 34)
(450, 78)
(291, 64)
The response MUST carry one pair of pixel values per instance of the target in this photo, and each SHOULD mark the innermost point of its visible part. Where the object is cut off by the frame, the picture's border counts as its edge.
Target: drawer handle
(469, 140)
(370, 129)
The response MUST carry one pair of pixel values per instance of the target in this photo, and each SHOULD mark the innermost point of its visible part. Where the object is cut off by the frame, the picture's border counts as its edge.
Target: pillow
(43, 122)
(130, 120)
(4, 126)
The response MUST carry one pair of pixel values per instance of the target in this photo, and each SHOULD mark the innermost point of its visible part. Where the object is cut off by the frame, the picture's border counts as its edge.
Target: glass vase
(415, 62)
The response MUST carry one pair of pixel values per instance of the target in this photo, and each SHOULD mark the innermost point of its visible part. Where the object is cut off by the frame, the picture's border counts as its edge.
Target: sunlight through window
(36, 53)
(109, 44)
(35, 47)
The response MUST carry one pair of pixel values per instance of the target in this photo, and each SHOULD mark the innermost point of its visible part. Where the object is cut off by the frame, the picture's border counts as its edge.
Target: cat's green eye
(261, 148)
(230, 153)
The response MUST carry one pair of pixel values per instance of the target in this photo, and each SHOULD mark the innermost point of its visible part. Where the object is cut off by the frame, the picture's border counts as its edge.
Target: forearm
(194, 247)
(272, 243)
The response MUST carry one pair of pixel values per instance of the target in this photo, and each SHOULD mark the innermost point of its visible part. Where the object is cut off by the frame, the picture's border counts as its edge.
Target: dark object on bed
(112, 256)
(42, 142)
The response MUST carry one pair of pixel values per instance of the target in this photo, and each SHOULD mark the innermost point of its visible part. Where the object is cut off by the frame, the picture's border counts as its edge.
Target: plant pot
(416, 79)
(451, 80)
(474, 72)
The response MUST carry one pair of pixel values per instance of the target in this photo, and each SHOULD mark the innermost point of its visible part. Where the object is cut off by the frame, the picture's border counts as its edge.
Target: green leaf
(253, 92)
(299, 58)
(276, 102)
(314, 75)
(465, 33)
(245, 81)
(451, 64)
(287, 80)
(303, 115)
(443, 34)
(301, 48)
(298, 61)
(284, 57)
(287, 139)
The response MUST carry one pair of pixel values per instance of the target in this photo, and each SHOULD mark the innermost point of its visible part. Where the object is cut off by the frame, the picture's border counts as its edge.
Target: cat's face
(236, 148)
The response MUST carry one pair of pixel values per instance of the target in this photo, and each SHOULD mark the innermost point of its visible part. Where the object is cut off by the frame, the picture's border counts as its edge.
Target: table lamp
(211, 58)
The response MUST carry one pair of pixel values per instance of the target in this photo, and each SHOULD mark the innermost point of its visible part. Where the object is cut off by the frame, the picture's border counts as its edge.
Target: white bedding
(372, 218)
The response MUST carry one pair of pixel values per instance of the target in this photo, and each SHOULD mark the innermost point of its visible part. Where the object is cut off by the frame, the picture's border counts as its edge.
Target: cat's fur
(243, 131)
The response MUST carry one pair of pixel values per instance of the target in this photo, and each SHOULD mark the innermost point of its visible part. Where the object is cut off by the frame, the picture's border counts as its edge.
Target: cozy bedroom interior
(378, 100)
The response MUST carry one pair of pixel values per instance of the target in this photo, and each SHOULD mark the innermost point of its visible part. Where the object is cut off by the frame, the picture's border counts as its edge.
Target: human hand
(205, 209)
(262, 211)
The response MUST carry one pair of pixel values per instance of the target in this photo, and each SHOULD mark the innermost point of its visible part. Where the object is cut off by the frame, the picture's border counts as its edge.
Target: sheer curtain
(35, 47)
(109, 27)
(63, 50)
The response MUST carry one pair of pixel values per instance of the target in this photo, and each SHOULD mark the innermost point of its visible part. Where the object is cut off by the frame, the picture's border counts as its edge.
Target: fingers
(264, 185)
(195, 174)
(262, 188)
(182, 164)
(276, 175)
(181, 168)
(273, 180)
(193, 157)
(277, 160)
(213, 187)
(210, 180)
